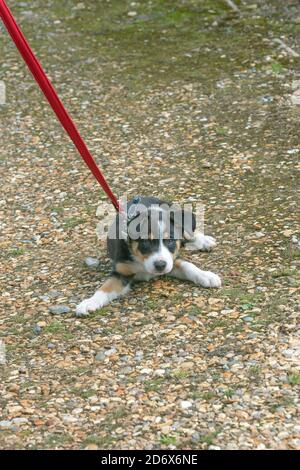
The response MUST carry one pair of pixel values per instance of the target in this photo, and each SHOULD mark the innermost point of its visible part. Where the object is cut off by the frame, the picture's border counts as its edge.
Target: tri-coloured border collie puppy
(147, 246)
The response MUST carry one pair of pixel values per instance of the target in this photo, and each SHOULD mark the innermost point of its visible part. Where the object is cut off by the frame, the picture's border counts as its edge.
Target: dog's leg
(115, 286)
(189, 272)
(200, 242)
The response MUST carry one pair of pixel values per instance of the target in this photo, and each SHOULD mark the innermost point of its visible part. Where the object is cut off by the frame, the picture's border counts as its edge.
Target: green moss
(83, 393)
(294, 378)
(102, 441)
(228, 393)
(277, 67)
(166, 440)
(15, 252)
(73, 222)
(207, 396)
(154, 384)
(57, 440)
(209, 438)
(55, 327)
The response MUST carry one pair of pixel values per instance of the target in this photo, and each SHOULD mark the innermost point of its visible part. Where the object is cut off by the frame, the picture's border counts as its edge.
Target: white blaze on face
(163, 254)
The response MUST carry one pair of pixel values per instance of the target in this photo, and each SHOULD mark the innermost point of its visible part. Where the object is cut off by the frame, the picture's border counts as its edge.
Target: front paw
(207, 279)
(208, 243)
(201, 242)
(90, 305)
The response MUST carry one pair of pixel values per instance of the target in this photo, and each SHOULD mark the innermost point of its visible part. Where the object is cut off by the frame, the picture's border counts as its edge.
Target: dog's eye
(171, 244)
(144, 246)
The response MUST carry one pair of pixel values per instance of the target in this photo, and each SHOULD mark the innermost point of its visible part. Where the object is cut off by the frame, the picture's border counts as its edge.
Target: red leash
(52, 97)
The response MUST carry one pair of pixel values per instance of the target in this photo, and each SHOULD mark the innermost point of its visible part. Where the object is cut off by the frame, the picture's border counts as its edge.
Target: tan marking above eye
(134, 247)
(136, 252)
(176, 250)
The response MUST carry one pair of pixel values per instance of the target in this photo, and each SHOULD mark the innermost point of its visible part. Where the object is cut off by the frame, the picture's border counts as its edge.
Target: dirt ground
(191, 101)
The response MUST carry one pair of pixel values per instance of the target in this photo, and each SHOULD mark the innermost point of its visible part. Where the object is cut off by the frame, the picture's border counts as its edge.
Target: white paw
(98, 300)
(204, 278)
(208, 279)
(208, 243)
(201, 242)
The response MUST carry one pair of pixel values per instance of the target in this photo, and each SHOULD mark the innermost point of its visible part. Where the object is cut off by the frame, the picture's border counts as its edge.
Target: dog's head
(155, 236)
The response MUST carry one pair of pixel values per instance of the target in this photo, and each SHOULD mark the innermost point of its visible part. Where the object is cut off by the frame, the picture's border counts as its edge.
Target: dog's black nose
(160, 265)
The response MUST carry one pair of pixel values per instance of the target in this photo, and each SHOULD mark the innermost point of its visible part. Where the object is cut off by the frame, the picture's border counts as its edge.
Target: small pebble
(59, 309)
(100, 356)
(92, 262)
(266, 99)
(185, 405)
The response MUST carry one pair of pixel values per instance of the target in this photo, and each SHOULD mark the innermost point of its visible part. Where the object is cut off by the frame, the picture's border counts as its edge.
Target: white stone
(186, 404)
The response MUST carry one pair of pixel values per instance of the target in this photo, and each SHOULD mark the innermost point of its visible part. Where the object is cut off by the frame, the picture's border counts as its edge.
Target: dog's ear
(183, 224)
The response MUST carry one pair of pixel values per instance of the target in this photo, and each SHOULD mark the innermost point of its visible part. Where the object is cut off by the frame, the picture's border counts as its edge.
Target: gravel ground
(191, 101)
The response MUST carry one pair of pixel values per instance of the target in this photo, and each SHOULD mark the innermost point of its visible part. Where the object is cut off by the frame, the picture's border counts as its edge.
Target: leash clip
(133, 209)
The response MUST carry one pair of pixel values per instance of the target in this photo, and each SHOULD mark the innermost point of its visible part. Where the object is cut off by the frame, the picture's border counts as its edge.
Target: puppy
(145, 244)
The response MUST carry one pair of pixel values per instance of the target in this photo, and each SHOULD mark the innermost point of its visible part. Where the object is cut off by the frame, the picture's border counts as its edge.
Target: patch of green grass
(151, 303)
(180, 374)
(67, 336)
(194, 310)
(218, 323)
(283, 402)
(254, 371)
(250, 298)
(154, 384)
(81, 370)
(207, 396)
(55, 327)
(100, 441)
(283, 272)
(119, 413)
(276, 67)
(291, 253)
(19, 319)
(86, 393)
(26, 433)
(222, 131)
(294, 378)
(58, 439)
(209, 438)
(241, 297)
(100, 312)
(246, 306)
(15, 252)
(44, 405)
(167, 440)
(72, 222)
(58, 209)
(228, 393)
(12, 347)
(216, 377)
